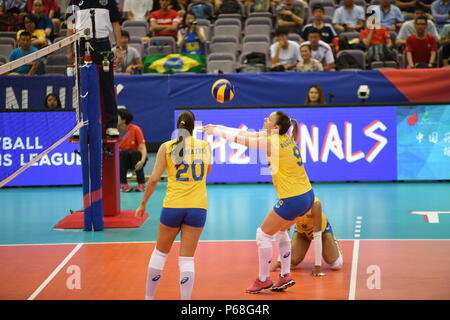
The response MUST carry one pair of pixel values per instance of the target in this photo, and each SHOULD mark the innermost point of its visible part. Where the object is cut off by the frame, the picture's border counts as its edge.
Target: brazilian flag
(173, 63)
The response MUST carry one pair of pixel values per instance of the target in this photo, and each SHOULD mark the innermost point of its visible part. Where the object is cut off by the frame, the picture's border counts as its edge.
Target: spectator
(308, 63)
(133, 152)
(284, 53)
(321, 51)
(52, 101)
(440, 9)
(15, 6)
(24, 48)
(173, 4)
(137, 10)
(408, 29)
(389, 16)
(131, 61)
(420, 47)
(259, 5)
(201, 9)
(191, 38)
(38, 38)
(315, 95)
(445, 42)
(406, 6)
(327, 32)
(444, 35)
(51, 9)
(373, 37)
(43, 21)
(290, 18)
(348, 17)
(165, 21)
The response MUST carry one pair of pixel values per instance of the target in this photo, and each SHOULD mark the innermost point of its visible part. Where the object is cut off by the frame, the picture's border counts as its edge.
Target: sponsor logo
(156, 278)
(184, 280)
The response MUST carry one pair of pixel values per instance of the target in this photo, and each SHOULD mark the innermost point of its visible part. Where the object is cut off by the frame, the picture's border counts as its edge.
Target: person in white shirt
(321, 51)
(284, 52)
(137, 10)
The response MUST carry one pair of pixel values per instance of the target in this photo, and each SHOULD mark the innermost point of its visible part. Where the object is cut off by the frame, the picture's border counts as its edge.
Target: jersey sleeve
(114, 14)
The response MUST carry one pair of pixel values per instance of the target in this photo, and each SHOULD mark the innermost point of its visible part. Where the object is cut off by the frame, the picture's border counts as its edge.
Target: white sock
(155, 268)
(187, 276)
(264, 243)
(284, 248)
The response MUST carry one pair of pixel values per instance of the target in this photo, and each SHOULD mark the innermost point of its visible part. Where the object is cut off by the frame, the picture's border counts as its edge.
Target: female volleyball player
(308, 227)
(294, 190)
(187, 161)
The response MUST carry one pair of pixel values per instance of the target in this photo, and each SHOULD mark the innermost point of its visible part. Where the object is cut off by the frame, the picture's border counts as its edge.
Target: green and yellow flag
(173, 63)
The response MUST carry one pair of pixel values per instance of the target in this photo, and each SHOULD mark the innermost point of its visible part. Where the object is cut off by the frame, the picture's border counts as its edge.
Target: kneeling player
(314, 226)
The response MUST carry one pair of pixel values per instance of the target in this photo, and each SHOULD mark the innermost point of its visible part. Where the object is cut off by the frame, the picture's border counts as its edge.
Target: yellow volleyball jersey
(186, 187)
(288, 172)
(305, 223)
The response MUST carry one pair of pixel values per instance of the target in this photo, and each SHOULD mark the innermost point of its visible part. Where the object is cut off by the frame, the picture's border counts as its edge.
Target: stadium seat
(5, 49)
(228, 22)
(7, 40)
(357, 54)
(227, 30)
(224, 44)
(136, 31)
(162, 45)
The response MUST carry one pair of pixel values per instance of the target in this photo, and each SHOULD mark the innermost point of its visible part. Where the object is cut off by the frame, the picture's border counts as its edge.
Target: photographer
(191, 39)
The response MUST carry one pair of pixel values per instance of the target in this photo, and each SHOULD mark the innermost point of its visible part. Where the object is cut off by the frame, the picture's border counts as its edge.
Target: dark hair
(317, 7)
(125, 115)
(125, 34)
(421, 18)
(284, 122)
(183, 22)
(321, 95)
(50, 95)
(185, 124)
(33, 19)
(25, 33)
(280, 32)
(306, 46)
(419, 7)
(314, 30)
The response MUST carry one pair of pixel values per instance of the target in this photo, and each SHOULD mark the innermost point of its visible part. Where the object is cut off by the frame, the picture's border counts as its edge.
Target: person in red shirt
(420, 47)
(372, 37)
(133, 152)
(164, 22)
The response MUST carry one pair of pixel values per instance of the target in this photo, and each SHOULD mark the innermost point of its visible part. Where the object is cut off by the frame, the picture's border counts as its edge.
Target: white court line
(138, 242)
(55, 272)
(354, 272)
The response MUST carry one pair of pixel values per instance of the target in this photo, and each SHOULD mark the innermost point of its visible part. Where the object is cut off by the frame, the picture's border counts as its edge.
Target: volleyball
(222, 90)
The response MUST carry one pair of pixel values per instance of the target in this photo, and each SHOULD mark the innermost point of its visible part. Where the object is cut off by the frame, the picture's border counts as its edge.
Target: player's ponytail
(284, 123)
(185, 126)
(294, 135)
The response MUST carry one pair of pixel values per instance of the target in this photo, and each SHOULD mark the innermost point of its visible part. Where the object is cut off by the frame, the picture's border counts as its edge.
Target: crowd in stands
(294, 35)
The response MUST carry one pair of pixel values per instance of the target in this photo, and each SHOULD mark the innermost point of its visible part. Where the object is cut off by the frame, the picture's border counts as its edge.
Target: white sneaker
(112, 133)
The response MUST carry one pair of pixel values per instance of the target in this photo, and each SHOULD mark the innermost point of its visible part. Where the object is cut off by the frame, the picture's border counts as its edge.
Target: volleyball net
(46, 131)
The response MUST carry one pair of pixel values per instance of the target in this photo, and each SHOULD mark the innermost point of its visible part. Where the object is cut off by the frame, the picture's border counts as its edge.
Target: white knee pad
(186, 264)
(338, 263)
(263, 240)
(282, 236)
(158, 260)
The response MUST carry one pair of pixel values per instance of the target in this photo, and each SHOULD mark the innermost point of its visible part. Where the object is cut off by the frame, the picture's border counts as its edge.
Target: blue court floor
(28, 215)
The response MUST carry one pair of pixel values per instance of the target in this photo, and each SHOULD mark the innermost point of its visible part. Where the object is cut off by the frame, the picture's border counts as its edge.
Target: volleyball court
(381, 261)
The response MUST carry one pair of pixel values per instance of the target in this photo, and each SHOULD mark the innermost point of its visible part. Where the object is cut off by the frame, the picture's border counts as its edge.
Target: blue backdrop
(152, 98)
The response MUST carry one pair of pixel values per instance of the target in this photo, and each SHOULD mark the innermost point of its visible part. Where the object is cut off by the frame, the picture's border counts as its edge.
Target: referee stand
(99, 152)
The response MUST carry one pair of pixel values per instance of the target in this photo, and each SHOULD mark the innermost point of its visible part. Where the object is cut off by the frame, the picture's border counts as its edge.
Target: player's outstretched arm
(255, 140)
(158, 169)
